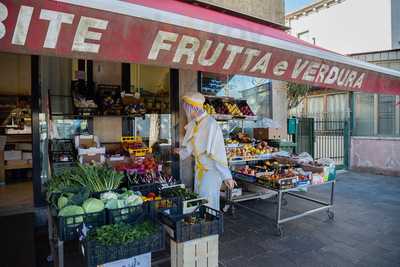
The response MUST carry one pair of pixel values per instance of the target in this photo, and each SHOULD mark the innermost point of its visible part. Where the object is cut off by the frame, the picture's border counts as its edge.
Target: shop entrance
(16, 190)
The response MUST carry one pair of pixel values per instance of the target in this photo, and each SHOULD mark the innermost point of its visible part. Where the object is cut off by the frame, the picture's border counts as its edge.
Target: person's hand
(176, 150)
(230, 183)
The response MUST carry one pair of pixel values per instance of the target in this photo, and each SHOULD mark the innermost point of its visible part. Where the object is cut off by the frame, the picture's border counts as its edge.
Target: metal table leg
(60, 246)
(278, 214)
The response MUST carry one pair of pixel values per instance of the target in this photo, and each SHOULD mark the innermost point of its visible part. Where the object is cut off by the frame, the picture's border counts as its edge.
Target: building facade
(375, 118)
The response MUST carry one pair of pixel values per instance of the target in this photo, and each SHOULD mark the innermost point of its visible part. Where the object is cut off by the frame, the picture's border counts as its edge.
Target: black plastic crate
(182, 230)
(97, 254)
(145, 189)
(130, 214)
(68, 227)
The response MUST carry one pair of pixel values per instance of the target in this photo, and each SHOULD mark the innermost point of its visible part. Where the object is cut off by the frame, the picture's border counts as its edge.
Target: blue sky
(291, 5)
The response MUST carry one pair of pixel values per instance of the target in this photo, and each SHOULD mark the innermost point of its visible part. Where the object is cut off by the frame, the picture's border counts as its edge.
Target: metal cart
(281, 201)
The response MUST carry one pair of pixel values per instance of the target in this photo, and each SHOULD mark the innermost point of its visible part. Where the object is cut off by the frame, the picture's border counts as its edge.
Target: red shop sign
(180, 35)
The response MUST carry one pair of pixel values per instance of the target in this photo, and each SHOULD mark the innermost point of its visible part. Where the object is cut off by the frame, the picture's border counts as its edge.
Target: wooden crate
(202, 252)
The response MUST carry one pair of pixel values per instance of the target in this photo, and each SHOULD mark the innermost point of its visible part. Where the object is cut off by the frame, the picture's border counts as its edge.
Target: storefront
(110, 69)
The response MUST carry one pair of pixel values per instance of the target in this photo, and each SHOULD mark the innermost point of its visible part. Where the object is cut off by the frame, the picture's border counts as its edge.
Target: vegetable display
(97, 178)
(121, 234)
(178, 192)
(114, 200)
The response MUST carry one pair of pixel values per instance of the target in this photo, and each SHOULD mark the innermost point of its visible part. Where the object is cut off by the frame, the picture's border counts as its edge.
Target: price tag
(143, 260)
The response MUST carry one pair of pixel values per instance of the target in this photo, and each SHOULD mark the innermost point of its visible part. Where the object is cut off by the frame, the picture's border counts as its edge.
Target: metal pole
(332, 192)
(278, 208)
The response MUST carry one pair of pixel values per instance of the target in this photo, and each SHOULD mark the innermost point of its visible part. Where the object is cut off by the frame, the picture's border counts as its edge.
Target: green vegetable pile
(97, 178)
(121, 234)
(178, 192)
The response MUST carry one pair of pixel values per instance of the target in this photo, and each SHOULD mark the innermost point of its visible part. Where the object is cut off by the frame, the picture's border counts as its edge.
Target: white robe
(206, 144)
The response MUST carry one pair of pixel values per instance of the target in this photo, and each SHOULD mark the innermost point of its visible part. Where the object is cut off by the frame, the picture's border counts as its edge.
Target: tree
(296, 94)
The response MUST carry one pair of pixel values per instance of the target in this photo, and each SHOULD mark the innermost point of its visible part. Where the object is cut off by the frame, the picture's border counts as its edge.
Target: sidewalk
(364, 233)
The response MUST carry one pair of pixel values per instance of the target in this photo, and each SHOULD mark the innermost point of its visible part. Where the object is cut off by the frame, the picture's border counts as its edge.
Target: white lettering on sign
(299, 69)
(351, 79)
(56, 19)
(332, 75)
(22, 26)
(234, 50)
(321, 73)
(3, 16)
(262, 64)
(342, 77)
(188, 47)
(359, 82)
(280, 68)
(217, 52)
(250, 54)
(83, 33)
(159, 43)
(311, 71)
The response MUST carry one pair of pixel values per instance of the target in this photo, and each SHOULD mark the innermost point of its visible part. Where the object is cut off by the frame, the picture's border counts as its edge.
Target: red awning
(180, 35)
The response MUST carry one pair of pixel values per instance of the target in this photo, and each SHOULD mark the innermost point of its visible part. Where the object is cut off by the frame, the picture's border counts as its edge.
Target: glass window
(315, 106)
(386, 115)
(257, 91)
(364, 114)
(337, 106)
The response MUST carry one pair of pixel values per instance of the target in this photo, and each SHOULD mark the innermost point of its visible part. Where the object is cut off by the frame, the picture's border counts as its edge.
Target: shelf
(18, 166)
(268, 156)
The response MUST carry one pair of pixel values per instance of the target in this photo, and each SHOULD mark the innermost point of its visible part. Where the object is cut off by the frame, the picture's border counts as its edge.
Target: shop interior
(15, 133)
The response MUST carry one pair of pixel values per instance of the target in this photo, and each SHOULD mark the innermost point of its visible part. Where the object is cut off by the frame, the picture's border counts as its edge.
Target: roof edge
(311, 7)
(238, 14)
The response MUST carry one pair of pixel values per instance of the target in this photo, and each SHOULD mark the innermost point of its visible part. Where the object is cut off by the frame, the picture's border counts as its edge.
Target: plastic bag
(329, 168)
(304, 158)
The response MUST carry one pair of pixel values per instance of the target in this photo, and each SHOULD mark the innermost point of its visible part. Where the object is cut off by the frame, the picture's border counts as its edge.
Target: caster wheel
(331, 215)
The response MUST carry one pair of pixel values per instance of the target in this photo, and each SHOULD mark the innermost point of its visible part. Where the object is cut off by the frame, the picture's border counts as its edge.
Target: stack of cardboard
(89, 149)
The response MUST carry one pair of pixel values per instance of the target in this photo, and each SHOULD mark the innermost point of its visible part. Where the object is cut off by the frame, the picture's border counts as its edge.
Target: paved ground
(365, 231)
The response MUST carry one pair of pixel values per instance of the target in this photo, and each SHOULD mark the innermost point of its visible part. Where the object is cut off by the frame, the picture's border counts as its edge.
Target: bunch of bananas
(209, 109)
(233, 109)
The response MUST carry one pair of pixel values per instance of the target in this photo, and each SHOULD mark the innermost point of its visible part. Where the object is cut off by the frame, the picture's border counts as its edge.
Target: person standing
(204, 141)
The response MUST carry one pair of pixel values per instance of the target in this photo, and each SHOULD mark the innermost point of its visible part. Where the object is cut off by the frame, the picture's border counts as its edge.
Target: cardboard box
(12, 155)
(27, 155)
(23, 146)
(91, 151)
(267, 133)
(86, 141)
(84, 159)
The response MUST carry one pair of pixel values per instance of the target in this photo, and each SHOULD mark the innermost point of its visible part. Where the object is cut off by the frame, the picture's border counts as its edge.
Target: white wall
(350, 27)
(396, 24)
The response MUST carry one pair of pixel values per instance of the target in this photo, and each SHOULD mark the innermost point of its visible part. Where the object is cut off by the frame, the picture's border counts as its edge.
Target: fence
(324, 138)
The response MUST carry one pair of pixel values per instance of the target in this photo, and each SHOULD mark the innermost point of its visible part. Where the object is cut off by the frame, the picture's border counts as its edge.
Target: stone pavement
(365, 231)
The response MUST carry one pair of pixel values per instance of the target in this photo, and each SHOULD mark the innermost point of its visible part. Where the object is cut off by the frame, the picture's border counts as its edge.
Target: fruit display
(246, 170)
(248, 151)
(241, 137)
(233, 109)
(209, 109)
(219, 106)
(245, 108)
(135, 146)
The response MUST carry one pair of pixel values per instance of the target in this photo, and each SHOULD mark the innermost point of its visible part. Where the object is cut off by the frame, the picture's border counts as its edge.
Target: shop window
(364, 114)
(256, 91)
(315, 106)
(337, 106)
(386, 115)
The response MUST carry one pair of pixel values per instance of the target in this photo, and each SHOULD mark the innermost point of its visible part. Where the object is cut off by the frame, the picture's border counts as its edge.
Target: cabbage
(108, 196)
(134, 200)
(62, 202)
(112, 204)
(72, 210)
(93, 205)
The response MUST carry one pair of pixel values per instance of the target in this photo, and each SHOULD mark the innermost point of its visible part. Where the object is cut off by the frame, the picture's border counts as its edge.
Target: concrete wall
(395, 23)
(187, 83)
(350, 26)
(270, 10)
(376, 154)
